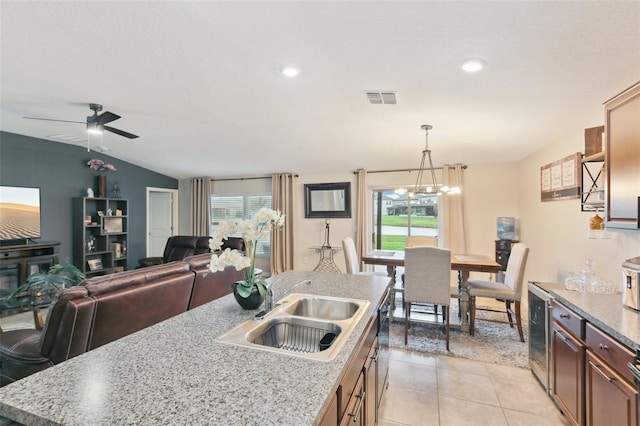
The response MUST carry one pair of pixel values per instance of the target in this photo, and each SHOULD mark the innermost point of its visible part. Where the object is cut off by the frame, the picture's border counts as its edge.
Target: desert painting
(19, 219)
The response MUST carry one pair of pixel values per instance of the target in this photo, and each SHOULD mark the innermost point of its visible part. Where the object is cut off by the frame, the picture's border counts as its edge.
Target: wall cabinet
(623, 159)
(100, 234)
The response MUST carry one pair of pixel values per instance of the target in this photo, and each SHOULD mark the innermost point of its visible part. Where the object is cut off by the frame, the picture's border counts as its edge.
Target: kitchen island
(176, 372)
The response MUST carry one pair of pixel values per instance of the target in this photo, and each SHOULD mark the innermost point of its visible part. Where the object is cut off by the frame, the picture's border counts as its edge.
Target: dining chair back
(352, 261)
(510, 290)
(427, 280)
(350, 256)
(421, 241)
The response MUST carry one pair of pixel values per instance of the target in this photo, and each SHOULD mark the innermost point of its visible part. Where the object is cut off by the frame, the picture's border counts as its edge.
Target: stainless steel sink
(323, 308)
(302, 325)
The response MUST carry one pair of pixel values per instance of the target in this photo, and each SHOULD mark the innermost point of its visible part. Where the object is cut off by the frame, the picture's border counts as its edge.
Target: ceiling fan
(96, 123)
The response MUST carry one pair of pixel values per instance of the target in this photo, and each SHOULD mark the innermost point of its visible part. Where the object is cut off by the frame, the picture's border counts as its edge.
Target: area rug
(492, 342)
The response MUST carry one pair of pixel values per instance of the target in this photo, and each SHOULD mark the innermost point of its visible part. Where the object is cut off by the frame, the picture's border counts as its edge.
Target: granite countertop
(175, 372)
(606, 312)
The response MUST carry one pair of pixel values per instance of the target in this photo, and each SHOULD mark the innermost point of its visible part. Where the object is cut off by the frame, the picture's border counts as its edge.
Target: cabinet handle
(603, 347)
(565, 316)
(375, 355)
(357, 410)
(567, 341)
(597, 368)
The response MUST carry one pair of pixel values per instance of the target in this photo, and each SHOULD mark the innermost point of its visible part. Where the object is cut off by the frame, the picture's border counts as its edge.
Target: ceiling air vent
(68, 138)
(377, 97)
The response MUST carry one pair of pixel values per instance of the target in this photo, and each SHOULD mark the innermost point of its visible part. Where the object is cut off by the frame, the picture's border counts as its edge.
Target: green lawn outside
(393, 242)
(416, 221)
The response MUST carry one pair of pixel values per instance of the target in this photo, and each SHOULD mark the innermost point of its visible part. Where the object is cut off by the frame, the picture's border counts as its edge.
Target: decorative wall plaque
(560, 180)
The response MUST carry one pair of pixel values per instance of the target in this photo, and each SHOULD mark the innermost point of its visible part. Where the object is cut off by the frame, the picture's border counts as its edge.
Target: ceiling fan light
(94, 129)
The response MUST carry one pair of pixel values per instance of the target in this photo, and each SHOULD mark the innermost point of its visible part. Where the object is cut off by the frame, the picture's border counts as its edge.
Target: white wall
(556, 231)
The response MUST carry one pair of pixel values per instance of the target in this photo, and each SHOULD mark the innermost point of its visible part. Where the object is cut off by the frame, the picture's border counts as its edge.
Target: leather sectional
(105, 308)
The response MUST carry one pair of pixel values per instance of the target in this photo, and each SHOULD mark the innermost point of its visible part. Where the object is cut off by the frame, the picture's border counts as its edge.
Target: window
(240, 207)
(395, 216)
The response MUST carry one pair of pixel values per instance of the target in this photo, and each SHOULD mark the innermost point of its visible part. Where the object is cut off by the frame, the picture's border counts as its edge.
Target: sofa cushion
(209, 285)
(66, 331)
(132, 300)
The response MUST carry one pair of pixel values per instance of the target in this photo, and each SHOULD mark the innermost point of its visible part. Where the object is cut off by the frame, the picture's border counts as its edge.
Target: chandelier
(434, 187)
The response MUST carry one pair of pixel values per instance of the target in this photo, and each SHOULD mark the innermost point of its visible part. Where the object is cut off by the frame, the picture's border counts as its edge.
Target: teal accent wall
(60, 171)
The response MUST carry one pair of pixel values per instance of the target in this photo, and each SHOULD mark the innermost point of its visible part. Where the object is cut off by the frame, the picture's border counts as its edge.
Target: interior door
(161, 216)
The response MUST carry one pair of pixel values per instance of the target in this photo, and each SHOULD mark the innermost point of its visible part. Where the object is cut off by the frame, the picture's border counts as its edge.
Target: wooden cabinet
(622, 129)
(370, 372)
(591, 382)
(355, 412)
(355, 399)
(19, 261)
(611, 398)
(568, 371)
(100, 231)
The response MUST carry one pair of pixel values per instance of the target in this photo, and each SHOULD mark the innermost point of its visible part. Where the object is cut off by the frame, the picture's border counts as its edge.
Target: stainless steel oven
(539, 301)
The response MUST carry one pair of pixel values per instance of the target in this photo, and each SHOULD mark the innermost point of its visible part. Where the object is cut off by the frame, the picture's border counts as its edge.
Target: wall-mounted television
(19, 213)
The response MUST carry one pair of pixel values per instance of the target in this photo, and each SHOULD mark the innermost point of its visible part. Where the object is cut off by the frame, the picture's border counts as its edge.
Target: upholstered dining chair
(427, 273)
(352, 261)
(421, 241)
(416, 241)
(510, 291)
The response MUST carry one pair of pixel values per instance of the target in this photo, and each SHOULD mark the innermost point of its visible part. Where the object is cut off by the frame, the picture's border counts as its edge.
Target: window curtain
(454, 226)
(361, 215)
(283, 199)
(200, 208)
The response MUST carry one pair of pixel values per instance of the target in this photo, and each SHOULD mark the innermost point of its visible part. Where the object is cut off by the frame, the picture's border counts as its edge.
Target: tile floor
(437, 390)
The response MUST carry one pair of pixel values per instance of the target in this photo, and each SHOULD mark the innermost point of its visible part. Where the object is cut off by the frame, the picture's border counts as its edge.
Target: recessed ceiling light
(473, 65)
(290, 71)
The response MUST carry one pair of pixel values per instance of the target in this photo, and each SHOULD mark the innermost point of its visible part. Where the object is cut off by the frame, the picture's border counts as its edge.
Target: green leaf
(243, 290)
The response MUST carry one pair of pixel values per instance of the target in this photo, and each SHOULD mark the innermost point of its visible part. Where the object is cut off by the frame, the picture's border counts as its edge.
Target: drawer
(571, 321)
(610, 351)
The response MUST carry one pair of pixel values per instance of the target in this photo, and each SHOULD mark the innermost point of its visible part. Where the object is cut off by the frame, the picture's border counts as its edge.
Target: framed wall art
(561, 180)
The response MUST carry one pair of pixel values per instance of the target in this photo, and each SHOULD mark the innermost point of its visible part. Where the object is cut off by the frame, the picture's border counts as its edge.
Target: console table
(326, 263)
(17, 262)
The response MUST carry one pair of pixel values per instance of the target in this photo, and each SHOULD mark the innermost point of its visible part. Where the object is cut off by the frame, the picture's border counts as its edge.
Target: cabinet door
(610, 398)
(568, 373)
(370, 377)
(355, 415)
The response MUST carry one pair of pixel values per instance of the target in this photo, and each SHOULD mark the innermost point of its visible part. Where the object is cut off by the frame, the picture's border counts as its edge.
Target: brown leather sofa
(106, 308)
(209, 286)
(177, 248)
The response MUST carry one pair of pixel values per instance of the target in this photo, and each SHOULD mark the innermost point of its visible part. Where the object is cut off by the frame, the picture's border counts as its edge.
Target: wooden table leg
(391, 271)
(463, 281)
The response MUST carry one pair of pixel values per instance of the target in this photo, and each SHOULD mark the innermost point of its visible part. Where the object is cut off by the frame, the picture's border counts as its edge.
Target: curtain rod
(401, 170)
(245, 178)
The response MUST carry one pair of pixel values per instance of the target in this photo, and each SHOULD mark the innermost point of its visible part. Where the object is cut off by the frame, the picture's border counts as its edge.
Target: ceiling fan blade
(51, 119)
(106, 117)
(121, 132)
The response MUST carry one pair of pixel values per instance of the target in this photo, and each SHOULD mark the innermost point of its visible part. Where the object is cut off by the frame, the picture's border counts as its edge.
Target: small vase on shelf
(102, 186)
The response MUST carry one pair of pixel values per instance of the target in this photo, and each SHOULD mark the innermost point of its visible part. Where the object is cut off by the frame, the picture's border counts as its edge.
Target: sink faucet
(269, 301)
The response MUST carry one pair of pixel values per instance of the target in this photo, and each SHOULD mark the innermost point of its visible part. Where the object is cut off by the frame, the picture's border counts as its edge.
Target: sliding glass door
(395, 216)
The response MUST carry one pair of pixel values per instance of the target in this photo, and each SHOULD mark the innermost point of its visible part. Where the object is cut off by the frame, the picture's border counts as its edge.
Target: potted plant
(42, 286)
(251, 291)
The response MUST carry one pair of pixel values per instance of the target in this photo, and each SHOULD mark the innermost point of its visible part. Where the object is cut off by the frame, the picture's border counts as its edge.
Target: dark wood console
(18, 261)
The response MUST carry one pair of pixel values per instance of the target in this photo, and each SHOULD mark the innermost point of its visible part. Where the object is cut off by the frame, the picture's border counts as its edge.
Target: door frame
(174, 213)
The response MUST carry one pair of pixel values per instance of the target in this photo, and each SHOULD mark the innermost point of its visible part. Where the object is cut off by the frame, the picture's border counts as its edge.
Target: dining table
(462, 263)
